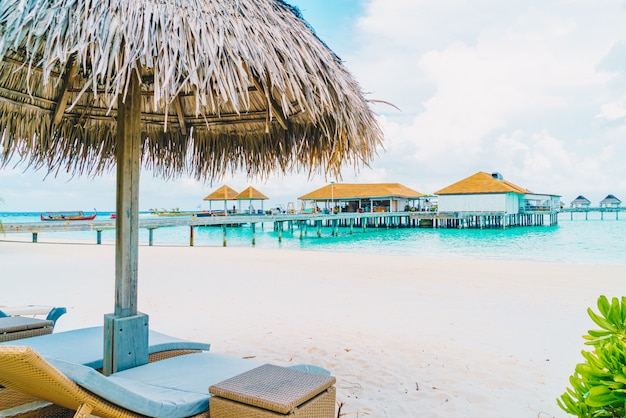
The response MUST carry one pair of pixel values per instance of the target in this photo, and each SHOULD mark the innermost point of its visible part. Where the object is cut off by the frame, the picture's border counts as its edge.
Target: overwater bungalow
(377, 197)
(610, 201)
(485, 199)
(581, 202)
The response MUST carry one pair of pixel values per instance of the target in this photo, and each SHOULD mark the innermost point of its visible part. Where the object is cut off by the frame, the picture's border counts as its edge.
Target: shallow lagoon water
(580, 241)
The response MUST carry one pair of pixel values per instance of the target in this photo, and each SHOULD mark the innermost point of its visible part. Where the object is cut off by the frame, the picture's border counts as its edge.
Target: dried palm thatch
(250, 193)
(226, 85)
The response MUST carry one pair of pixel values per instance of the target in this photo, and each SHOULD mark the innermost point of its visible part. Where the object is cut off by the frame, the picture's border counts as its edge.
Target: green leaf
(604, 306)
(597, 333)
(601, 321)
(615, 313)
(600, 396)
(620, 377)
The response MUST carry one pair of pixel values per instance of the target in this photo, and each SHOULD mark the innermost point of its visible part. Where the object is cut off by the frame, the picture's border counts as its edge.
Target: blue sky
(535, 90)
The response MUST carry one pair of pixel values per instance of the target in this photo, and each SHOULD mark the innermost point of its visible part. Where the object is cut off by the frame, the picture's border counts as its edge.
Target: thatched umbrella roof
(186, 87)
(250, 193)
(222, 193)
(224, 86)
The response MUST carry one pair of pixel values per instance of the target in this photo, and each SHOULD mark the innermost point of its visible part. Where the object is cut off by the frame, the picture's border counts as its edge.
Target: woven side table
(18, 327)
(274, 391)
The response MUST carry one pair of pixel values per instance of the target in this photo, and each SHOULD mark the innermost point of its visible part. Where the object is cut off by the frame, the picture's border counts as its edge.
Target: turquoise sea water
(580, 241)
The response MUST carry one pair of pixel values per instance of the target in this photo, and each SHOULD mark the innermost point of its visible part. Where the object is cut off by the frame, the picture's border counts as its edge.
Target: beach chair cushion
(174, 387)
(86, 345)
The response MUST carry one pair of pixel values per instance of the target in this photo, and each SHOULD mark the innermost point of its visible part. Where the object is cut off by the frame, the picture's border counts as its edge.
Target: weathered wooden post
(126, 330)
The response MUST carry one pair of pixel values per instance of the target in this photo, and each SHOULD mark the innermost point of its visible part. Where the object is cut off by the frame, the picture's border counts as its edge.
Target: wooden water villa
(610, 204)
(485, 200)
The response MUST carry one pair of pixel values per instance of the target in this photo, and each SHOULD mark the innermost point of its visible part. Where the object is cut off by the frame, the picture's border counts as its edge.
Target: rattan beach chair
(174, 387)
(52, 313)
(84, 346)
(17, 327)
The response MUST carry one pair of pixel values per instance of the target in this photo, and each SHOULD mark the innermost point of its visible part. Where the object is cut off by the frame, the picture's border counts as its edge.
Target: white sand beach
(405, 336)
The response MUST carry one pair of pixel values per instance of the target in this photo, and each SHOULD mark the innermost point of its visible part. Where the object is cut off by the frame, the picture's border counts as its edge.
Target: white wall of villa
(508, 203)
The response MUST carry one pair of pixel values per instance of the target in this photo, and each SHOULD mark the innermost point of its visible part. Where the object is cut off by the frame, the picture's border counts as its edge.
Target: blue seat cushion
(174, 387)
(86, 345)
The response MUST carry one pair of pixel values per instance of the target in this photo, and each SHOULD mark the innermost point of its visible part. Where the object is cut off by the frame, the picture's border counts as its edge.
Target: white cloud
(612, 111)
(516, 87)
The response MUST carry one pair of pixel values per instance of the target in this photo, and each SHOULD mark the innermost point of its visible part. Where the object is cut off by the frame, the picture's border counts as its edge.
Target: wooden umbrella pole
(128, 155)
(126, 330)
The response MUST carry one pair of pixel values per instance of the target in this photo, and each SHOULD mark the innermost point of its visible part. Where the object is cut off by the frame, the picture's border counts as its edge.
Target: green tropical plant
(598, 386)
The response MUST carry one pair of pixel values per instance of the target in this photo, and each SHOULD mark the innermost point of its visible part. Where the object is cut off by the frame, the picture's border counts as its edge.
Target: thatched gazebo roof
(225, 86)
(250, 193)
(222, 193)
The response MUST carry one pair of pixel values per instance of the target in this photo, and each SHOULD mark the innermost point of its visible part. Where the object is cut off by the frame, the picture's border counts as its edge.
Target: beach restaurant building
(485, 199)
(379, 197)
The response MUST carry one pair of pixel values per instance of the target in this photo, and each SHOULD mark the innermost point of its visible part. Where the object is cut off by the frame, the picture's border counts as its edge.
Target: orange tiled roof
(482, 182)
(352, 191)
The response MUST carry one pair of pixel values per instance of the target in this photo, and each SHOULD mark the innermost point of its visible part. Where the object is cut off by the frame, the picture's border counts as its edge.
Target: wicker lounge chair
(174, 387)
(52, 313)
(13, 326)
(85, 347)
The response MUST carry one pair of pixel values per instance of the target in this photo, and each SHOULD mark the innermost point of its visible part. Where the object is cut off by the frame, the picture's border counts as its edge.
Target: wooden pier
(303, 222)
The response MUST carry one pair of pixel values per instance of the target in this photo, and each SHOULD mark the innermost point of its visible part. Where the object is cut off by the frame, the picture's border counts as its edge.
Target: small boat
(113, 216)
(76, 215)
